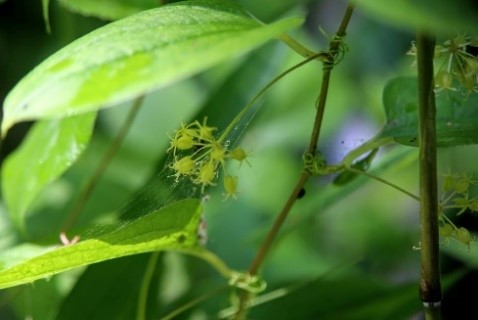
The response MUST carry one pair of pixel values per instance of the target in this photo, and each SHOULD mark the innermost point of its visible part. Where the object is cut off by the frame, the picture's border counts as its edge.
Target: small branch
(391, 184)
(311, 150)
(100, 169)
(430, 287)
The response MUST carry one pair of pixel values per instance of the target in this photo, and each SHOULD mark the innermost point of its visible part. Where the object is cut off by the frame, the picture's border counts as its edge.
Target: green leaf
(456, 119)
(431, 15)
(49, 149)
(173, 227)
(138, 54)
(109, 9)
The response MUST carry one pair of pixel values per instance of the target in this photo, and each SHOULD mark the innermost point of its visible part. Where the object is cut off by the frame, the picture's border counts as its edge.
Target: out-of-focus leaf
(110, 290)
(456, 119)
(49, 149)
(462, 252)
(43, 300)
(431, 15)
(109, 9)
(349, 297)
(173, 227)
(273, 9)
(135, 55)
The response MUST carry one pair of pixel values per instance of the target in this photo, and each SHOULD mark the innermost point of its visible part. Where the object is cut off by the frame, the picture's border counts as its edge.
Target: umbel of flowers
(457, 64)
(198, 155)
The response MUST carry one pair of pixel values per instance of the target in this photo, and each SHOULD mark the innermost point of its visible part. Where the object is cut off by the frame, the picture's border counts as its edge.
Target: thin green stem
(391, 184)
(212, 259)
(145, 284)
(241, 114)
(328, 65)
(101, 168)
(430, 287)
(448, 221)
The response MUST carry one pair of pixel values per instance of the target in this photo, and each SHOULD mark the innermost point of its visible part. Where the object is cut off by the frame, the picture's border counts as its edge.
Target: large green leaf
(173, 227)
(432, 15)
(135, 55)
(109, 9)
(50, 147)
(456, 119)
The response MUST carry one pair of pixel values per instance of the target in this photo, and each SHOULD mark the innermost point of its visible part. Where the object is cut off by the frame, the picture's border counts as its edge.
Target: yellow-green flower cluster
(457, 67)
(455, 195)
(198, 155)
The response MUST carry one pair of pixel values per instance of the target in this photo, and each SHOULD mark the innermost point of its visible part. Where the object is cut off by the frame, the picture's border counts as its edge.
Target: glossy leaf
(109, 9)
(456, 122)
(138, 54)
(50, 147)
(171, 228)
(434, 16)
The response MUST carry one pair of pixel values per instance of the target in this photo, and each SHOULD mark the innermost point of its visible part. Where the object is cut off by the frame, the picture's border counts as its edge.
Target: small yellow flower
(205, 132)
(184, 166)
(207, 174)
(230, 186)
(183, 139)
(218, 152)
(240, 155)
(464, 236)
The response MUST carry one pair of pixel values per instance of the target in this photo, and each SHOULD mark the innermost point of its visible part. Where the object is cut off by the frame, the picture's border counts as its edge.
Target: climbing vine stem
(430, 288)
(335, 51)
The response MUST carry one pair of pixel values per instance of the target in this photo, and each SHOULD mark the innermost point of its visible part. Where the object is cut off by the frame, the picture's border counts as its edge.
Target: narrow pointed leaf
(138, 54)
(50, 147)
(171, 228)
(456, 120)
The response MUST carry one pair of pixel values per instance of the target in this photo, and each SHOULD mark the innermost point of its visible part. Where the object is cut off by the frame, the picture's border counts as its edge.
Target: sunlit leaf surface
(138, 54)
(171, 228)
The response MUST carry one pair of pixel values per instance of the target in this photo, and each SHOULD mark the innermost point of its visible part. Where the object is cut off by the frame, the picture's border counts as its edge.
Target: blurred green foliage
(345, 252)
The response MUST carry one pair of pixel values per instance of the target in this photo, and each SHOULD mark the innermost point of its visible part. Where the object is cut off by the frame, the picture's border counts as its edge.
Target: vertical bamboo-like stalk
(430, 288)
